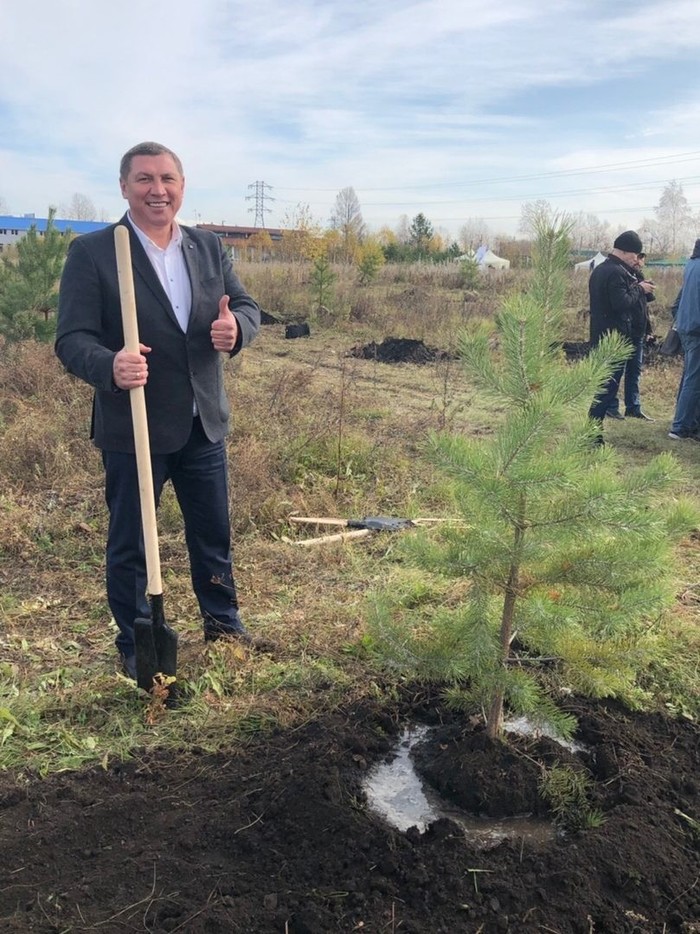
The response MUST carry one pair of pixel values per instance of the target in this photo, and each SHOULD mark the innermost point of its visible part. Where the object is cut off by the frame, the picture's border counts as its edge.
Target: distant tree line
(670, 233)
(31, 269)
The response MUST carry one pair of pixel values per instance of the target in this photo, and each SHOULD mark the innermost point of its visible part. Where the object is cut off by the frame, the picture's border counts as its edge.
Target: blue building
(13, 229)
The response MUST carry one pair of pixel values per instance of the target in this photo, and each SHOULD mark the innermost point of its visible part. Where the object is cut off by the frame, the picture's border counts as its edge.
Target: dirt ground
(276, 836)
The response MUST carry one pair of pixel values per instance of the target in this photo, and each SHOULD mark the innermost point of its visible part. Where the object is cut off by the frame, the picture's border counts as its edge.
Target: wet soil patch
(488, 777)
(399, 350)
(276, 836)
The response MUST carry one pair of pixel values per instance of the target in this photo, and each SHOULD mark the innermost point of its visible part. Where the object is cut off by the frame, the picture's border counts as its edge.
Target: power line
(670, 159)
(514, 217)
(566, 193)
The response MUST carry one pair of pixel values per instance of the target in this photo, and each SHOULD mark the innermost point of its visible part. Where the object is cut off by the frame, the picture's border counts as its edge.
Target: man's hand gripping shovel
(155, 642)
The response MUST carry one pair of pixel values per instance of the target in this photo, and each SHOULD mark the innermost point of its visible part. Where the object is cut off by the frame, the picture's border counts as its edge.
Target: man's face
(154, 189)
(629, 258)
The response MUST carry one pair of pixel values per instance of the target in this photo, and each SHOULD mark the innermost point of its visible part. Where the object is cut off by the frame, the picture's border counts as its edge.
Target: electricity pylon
(260, 198)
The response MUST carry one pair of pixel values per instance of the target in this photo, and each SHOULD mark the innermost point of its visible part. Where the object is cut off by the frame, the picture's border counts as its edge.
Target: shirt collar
(175, 237)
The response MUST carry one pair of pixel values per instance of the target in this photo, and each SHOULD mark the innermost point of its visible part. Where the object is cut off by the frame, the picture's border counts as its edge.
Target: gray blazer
(182, 367)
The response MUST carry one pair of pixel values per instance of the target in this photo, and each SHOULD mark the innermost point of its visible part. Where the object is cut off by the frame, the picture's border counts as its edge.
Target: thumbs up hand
(224, 329)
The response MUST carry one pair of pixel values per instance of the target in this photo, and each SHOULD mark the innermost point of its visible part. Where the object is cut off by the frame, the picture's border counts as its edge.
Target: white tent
(487, 259)
(589, 264)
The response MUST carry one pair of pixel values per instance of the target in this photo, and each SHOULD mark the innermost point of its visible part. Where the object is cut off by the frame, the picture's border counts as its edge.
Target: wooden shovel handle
(142, 444)
(322, 520)
(317, 520)
(338, 537)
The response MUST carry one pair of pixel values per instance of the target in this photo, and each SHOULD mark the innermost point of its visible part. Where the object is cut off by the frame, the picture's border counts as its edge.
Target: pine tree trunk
(494, 721)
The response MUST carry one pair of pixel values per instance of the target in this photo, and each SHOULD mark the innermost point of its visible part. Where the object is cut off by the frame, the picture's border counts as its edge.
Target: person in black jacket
(618, 304)
(193, 313)
(633, 366)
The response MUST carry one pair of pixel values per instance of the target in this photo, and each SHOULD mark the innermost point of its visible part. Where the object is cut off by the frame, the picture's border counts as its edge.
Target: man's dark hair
(146, 149)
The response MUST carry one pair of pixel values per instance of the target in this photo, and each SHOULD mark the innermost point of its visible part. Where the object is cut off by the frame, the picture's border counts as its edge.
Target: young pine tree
(563, 557)
(322, 279)
(29, 286)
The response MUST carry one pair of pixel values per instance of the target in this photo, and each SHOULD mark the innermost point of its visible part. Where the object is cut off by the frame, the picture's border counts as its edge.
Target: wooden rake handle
(142, 444)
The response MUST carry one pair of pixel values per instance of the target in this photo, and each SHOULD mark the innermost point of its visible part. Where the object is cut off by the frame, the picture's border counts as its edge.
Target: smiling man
(154, 186)
(192, 310)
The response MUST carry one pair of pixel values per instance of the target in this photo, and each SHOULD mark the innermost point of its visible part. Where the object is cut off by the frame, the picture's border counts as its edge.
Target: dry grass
(314, 432)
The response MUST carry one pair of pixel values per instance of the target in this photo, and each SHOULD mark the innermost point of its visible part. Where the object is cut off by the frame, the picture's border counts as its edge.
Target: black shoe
(128, 666)
(618, 416)
(637, 413)
(241, 635)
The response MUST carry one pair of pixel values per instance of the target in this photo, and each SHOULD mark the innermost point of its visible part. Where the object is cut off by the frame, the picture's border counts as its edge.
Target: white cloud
(432, 105)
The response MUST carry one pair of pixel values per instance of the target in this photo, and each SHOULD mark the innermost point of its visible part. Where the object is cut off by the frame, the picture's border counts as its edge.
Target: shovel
(359, 528)
(155, 643)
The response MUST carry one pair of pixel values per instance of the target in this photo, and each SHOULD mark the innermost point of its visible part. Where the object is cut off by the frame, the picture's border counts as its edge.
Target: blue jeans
(198, 473)
(606, 400)
(632, 374)
(685, 419)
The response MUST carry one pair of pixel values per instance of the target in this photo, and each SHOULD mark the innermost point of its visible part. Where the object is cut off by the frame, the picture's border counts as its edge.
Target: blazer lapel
(189, 252)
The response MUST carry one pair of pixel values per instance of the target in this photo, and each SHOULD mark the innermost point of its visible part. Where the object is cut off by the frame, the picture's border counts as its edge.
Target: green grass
(313, 433)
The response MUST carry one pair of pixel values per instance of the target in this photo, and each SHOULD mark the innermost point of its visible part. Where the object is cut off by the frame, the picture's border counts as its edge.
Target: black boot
(637, 413)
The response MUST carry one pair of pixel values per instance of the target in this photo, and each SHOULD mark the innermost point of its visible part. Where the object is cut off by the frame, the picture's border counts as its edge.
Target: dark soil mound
(267, 318)
(399, 350)
(576, 350)
(275, 836)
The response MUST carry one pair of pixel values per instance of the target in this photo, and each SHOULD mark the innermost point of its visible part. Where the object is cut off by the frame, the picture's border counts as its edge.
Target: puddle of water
(396, 792)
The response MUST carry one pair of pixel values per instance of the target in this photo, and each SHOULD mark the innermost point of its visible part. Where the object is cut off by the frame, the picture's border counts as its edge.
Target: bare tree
(4, 209)
(589, 232)
(674, 228)
(79, 208)
(346, 218)
(473, 233)
(655, 240)
(533, 214)
(403, 229)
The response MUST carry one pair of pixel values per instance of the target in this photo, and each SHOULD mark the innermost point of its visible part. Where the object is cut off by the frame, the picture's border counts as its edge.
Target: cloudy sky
(455, 108)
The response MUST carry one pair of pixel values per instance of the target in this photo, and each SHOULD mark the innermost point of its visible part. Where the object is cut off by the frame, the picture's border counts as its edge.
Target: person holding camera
(618, 299)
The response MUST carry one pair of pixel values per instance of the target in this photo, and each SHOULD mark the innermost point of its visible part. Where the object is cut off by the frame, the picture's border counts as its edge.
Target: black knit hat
(696, 250)
(628, 242)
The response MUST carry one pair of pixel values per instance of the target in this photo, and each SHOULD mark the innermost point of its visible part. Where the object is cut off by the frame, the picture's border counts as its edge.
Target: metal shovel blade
(146, 657)
(155, 645)
(380, 523)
